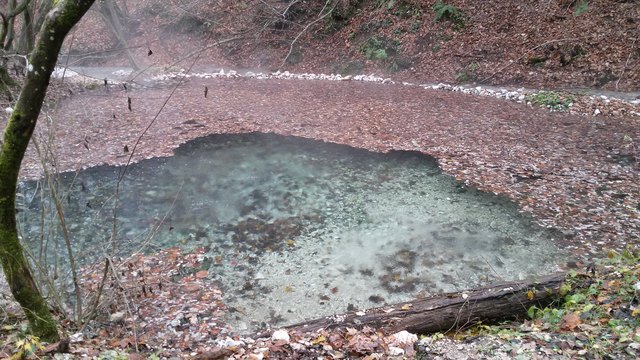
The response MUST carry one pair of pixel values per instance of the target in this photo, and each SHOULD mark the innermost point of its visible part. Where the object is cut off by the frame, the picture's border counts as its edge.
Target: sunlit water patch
(296, 228)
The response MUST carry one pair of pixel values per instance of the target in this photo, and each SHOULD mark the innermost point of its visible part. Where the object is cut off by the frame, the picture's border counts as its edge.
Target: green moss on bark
(17, 135)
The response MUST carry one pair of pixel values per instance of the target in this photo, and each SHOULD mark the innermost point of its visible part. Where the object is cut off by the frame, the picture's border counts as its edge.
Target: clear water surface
(295, 228)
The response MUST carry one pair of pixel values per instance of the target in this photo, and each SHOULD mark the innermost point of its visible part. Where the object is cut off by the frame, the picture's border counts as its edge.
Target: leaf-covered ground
(547, 44)
(163, 306)
(572, 172)
(578, 173)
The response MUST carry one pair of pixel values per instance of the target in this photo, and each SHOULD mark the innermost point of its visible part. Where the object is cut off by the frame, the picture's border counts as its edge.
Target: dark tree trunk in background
(9, 13)
(17, 134)
(6, 82)
(27, 36)
(117, 22)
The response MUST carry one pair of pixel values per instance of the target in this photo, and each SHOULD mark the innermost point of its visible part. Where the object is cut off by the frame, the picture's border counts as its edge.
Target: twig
(67, 240)
(525, 54)
(135, 147)
(96, 302)
(455, 323)
(284, 13)
(156, 227)
(625, 64)
(59, 211)
(66, 65)
(305, 29)
(127, 300)
(274, 10)
(492, 269)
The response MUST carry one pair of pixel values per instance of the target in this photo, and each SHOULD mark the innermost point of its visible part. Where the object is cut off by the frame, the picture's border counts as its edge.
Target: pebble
(395, 351)
(280, 335)
(117, 317)
(518, 95)
(229, 342)
(177, 321)
(298, 347)
(403, 339)
(77, 337)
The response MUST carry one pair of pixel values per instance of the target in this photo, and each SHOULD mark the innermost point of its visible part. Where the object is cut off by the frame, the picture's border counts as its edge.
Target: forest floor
(576, 171)
(572, 172)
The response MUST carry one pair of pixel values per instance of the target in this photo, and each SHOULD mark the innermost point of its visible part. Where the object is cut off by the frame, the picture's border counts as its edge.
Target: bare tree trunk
(112, 15)
(43, 7)
(7, 32)
(17, 135)
(27, 36)
(6, 82)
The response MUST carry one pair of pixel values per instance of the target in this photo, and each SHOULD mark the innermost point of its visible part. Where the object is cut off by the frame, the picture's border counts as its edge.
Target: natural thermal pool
(296, 228)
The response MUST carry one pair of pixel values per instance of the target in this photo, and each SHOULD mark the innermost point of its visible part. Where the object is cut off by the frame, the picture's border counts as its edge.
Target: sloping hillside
(542, 44)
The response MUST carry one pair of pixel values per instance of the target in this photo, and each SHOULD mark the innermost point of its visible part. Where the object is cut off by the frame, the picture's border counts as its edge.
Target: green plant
(113, 355)
(462, 77)
(379, 48)
(581, 8)
(551, 100)
(415, 26)
(406, 10)
(28, 346)
(601, 318)
(444, 11)
(537, 60)
(398, 31)
(350, 68)
(466, 74)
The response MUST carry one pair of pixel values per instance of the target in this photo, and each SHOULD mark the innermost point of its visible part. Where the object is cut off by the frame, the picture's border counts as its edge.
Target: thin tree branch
(304, 30)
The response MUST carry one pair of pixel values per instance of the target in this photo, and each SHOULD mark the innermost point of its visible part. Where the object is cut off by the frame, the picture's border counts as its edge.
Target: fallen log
(454, 311)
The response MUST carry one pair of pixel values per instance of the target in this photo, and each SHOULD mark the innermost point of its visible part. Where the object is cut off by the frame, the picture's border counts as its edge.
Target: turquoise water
(296, 228)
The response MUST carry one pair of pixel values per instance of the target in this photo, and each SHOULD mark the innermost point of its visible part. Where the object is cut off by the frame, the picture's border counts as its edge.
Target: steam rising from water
(296, 229)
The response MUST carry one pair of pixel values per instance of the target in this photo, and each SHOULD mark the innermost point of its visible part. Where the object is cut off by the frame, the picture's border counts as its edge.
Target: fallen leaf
(530, 294)
(320, 339)
(570, 321)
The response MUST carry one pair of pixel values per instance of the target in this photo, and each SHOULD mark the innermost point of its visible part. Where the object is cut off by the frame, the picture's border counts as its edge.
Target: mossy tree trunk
(17, 134)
